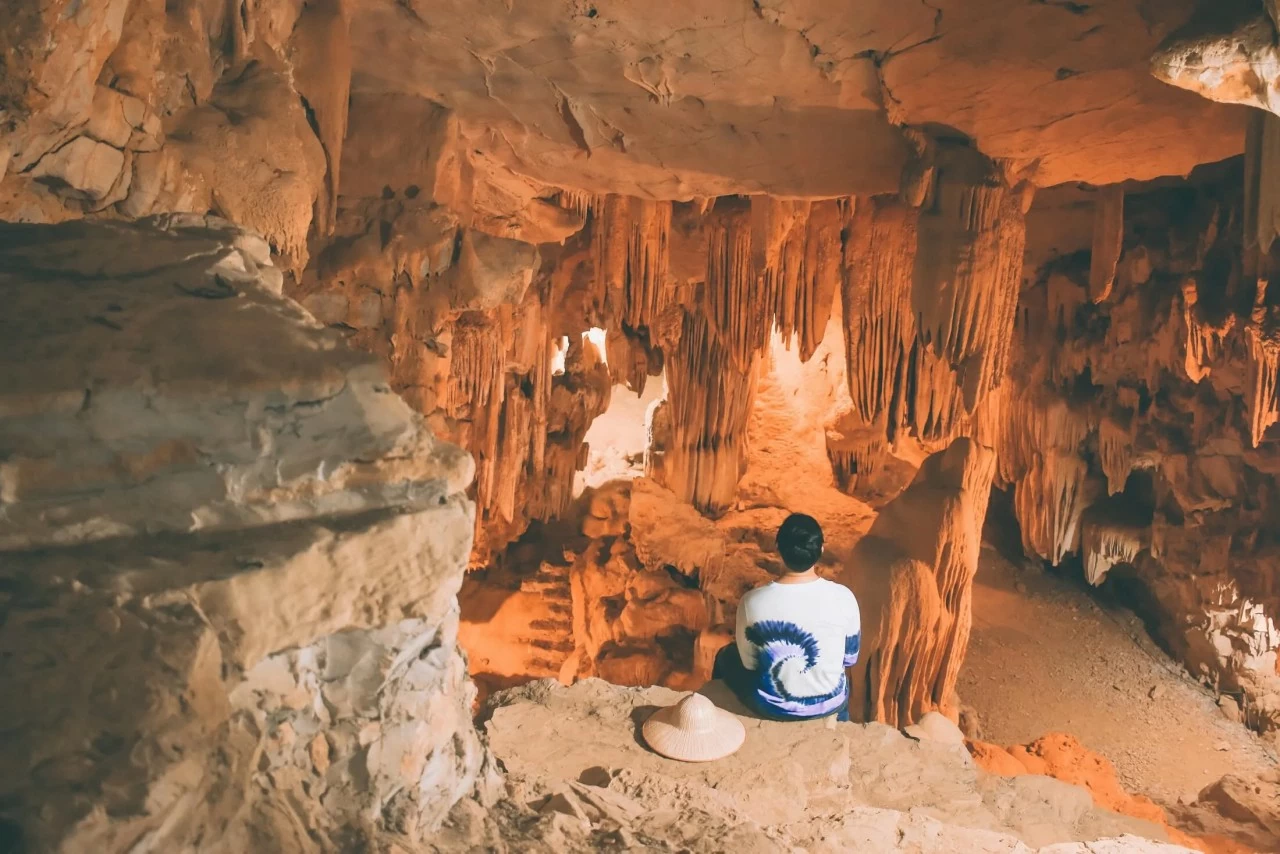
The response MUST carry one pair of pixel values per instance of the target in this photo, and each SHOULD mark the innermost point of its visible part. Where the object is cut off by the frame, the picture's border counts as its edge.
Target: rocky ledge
(580, 779)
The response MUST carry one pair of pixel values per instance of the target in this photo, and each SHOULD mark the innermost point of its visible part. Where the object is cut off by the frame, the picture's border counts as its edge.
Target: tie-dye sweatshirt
(798, 639)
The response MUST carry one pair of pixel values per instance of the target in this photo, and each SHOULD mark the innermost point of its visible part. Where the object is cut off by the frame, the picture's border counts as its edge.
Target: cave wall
(1141, 442)
(229, 556)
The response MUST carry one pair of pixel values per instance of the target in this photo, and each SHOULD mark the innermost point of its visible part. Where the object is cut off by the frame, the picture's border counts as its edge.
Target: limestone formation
(913, 572)
(231, 563)
(110, 413)
(313, 304)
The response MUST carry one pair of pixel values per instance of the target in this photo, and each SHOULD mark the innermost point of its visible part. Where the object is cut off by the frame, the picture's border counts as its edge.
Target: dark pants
(728, 668)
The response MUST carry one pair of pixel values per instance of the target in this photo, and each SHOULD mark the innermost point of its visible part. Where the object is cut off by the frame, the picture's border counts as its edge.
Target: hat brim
(672, 742)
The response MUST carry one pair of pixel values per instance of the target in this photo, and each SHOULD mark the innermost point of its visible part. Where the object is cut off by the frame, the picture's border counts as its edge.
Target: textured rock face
(913, 575)
(232, 559)
(166, 385)
(243, 108)
(1105, 461)
(520, 210)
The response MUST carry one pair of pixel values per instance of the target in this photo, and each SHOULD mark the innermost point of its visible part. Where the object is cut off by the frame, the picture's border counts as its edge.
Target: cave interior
(397, 398)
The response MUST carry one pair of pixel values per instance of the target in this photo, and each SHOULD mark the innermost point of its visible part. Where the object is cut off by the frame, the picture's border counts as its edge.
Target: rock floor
(580, 779)
(1045, 656)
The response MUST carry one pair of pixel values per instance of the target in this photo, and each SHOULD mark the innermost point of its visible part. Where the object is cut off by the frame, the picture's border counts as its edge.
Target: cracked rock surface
(152, 378)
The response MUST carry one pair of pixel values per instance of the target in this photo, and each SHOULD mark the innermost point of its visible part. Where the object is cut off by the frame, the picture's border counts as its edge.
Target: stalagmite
(1108, 241)
(914, 571)
(738, 318)
(710, 399)
(968, 270)
(879, 322)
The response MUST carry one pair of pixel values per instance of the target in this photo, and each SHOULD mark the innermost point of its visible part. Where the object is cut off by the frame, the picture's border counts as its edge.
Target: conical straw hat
(694, 730)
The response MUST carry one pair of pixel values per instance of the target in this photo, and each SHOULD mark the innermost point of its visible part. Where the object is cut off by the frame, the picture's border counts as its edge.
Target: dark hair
(800, 542)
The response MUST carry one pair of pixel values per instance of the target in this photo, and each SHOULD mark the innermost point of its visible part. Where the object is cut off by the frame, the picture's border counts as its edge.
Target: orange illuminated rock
(1061, 756)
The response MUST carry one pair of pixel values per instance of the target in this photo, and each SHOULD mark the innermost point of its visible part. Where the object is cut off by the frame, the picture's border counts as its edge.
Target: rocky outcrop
(1226, 54)
(231, 559)
(811, 786)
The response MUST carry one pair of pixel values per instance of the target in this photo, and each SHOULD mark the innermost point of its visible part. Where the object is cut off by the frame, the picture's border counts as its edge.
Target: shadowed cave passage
(397, 399)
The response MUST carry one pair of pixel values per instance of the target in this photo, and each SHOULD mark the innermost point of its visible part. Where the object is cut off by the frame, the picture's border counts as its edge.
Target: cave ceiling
(793, 97)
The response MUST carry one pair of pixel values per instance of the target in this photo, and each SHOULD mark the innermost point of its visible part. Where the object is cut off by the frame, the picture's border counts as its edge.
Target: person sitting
(795, 636)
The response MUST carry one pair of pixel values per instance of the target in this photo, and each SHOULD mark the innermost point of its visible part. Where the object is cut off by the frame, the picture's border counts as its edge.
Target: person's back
(796, 636)
(800, 638)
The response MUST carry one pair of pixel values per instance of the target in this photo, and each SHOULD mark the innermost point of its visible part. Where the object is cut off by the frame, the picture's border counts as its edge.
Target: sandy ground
(1045, 656)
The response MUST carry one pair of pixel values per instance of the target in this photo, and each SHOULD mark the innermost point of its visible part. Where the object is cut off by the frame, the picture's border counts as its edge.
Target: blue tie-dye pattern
(778, 642)
(851, 646)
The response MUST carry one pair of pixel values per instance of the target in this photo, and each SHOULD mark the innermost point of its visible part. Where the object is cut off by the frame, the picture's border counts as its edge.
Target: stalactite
(631, 244)
(934, 399)
(578, 201)
(629, 359)
(1107, 541)
(1262, 335)
(1033, 423)
(648, 237)
(779, 235)
(577, 397)
(879, 322)
(1108, 241)
(1048, 501)
(477, 365)
(1205, 342)
(710, 398)
(610, 239)
(739, 321)
(1115, 451)
(320, 49)
(512, 452)
(821, 277)
(968, 270)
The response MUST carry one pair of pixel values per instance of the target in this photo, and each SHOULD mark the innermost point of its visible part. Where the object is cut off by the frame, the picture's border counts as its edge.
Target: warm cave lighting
(914, 485)
(596, 336)
(558, 355)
